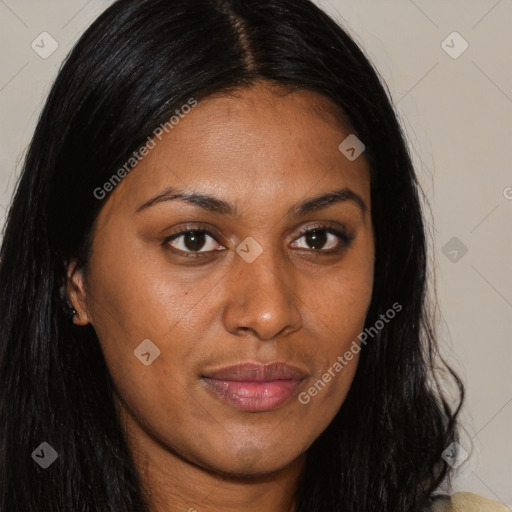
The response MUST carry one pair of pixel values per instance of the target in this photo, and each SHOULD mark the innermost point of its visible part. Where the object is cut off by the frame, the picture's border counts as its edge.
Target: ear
(75, 290)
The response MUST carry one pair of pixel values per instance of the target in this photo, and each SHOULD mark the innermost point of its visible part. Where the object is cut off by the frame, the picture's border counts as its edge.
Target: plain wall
(457, 115)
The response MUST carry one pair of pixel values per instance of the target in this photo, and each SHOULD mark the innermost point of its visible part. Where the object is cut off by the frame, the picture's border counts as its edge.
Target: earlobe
(76, 294)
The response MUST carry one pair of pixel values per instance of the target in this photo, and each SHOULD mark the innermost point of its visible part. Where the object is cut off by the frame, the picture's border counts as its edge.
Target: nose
(261, 298)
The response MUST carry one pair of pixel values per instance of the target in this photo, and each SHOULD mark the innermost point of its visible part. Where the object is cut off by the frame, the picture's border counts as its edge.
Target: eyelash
(344, 242)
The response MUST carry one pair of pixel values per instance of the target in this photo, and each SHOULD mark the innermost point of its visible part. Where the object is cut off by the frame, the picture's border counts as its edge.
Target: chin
(250, 461)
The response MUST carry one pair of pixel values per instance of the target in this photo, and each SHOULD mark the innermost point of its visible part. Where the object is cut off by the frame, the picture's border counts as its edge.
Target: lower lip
(253, 396)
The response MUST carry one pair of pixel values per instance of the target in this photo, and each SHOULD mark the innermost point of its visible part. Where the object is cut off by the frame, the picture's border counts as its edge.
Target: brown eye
(326, 240)
(316, 238)
(193, 241)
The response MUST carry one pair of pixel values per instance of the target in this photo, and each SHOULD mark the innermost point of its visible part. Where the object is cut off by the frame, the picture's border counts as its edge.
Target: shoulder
(467, 502)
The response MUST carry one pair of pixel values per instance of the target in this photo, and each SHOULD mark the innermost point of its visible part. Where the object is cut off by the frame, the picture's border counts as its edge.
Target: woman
(213, 277)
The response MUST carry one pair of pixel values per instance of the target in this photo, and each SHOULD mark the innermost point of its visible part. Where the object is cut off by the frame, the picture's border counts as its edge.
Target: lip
(255, 387)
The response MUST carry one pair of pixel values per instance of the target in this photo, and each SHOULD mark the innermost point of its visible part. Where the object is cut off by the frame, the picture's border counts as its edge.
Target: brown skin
(263, 153)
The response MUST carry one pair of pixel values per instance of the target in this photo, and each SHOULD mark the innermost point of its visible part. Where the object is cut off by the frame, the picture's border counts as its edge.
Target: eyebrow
(219, 206)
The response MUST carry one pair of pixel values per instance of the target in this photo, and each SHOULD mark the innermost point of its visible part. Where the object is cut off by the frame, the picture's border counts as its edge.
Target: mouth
(255, 387)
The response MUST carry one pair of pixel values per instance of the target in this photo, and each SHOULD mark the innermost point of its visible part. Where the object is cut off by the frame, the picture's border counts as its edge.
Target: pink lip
(255, 387)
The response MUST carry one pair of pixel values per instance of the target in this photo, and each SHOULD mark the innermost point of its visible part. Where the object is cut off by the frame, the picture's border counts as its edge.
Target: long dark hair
(137, 63)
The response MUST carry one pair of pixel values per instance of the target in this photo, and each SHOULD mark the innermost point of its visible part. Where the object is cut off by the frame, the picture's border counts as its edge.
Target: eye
(190, 241)
(196, 242)
(324, 239)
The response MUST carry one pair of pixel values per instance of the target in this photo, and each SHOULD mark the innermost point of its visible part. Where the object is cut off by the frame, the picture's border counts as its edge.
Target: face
(223, 307)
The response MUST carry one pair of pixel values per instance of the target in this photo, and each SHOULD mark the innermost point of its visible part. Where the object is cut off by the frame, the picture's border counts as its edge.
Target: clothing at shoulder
(467, 502)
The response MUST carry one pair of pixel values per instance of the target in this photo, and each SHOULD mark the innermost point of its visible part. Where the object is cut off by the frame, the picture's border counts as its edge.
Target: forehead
(262, 143)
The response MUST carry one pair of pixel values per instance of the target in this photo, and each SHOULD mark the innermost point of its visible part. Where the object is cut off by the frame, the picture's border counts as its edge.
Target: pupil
(194, 240)
(317, 238)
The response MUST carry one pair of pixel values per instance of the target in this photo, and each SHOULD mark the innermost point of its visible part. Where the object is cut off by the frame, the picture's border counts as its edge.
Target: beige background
(457, 114)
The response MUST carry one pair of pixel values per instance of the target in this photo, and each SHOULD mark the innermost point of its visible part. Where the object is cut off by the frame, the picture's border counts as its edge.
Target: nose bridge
(262, 296)
(264, 271)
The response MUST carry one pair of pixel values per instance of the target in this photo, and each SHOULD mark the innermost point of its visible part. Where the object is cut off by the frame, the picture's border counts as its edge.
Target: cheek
(339, 314)
(130, 297)
(335, 368)
(140, 313)
(342, 302)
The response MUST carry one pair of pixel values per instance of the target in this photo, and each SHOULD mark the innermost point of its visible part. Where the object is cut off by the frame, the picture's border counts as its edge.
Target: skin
(263, 152)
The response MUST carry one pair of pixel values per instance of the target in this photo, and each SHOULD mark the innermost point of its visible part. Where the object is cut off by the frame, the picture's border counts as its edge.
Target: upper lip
(257, 372)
